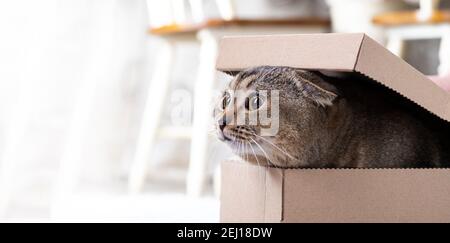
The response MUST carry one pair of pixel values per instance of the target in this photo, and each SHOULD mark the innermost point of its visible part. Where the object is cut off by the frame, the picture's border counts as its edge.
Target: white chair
(426, 23)
(207, 33)
(171, 32)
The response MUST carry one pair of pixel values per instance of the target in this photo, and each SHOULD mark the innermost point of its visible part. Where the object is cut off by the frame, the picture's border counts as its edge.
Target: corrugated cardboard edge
(402, 78)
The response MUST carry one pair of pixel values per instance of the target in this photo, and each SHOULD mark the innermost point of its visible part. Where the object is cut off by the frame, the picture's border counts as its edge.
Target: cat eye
(254, 101)
(226, 100)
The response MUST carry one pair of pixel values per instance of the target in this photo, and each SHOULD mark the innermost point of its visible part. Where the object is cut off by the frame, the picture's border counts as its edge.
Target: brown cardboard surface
(335, 52)
(257, 194)
(367, 195)
(334, 195)
(250, 193)
(302, 51)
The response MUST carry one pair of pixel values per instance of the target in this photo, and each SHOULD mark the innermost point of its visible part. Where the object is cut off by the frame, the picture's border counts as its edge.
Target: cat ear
(232, 73)
(313, 86)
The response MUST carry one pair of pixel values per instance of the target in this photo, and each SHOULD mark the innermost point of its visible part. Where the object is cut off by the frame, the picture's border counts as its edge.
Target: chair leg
(156, 95)
(202, 111)
(444, 54)
(226, 9)
(396, 45)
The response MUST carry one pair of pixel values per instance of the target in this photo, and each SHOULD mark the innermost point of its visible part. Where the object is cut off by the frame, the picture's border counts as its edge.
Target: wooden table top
(175, 29)
(410, 18)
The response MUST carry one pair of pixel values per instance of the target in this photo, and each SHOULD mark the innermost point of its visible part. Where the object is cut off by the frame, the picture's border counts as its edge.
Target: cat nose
(224, 121)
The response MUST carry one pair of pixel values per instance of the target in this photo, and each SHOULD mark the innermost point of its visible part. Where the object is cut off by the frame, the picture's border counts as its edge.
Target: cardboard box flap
(384, 67)
(335, 52)
(316, 51)
(250, 193)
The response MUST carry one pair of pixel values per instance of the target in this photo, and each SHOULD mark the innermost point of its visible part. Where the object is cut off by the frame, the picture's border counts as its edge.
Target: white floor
(142, 208)
(162, 205)
(162, 200)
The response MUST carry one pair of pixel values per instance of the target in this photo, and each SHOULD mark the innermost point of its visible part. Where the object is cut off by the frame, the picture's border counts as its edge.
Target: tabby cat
(329, 122)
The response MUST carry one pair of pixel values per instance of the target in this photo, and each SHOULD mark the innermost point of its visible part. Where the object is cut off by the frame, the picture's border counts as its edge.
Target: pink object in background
(442, 81)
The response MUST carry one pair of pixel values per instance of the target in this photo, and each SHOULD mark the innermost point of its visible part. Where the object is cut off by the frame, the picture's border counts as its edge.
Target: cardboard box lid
(256, 194)
(336, 52)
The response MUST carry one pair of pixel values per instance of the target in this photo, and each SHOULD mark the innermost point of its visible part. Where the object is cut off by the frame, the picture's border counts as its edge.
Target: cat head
(297, 101)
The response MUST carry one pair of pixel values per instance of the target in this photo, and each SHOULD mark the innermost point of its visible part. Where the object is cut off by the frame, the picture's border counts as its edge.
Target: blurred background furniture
(174, 32)
(352, 16)
(207, 32)
(427, 23)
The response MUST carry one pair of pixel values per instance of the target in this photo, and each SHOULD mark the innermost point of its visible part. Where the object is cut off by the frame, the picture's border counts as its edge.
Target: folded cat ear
(232, 73)
(313, 86)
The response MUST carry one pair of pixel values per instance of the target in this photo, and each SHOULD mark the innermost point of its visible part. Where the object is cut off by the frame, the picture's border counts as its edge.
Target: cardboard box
(259, 194)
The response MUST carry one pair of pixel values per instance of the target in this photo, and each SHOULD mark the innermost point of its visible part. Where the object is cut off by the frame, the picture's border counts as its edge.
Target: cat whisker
(256, 157)
(240, 149)
(265, 154)
(254, 154)
(267, 157)
(245, 151)
(275, 146)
